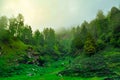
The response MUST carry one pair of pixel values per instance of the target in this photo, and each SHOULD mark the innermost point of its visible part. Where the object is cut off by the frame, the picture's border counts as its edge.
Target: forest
(90, 51)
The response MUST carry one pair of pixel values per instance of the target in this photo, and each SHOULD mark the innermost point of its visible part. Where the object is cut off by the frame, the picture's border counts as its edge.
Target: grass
(33, 72)
(113, 54)
(47, 77)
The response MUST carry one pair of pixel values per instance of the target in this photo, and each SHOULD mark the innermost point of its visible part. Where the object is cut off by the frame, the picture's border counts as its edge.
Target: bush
(90, 46)
(88, 67)
(4, 36)
(100, 45)
(5, 67)
(115, 40)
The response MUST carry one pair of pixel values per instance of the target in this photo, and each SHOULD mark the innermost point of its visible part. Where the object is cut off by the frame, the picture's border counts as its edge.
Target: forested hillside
(90, 51)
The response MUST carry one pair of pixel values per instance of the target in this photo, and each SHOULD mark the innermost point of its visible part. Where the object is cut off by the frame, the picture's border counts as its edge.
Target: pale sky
(55, 13)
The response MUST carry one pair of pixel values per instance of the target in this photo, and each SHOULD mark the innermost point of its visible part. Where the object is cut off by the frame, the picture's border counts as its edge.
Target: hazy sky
(55, 13)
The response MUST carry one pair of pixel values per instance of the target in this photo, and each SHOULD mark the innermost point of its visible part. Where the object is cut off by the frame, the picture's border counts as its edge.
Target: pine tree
(90, 45)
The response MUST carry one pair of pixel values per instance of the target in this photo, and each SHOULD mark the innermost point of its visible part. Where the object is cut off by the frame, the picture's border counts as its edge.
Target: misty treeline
(19, 44)
(99, 33)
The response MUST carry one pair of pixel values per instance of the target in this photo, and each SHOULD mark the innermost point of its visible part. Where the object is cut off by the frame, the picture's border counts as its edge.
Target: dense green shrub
(90, 46)
(115, 40)
(100, 44)
(88, 67)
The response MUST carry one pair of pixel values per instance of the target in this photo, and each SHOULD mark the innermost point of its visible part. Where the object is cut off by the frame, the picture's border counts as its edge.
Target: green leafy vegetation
(90, 51)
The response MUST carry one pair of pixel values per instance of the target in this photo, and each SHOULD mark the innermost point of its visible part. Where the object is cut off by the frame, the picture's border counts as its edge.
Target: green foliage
(88, 67)
(26, 35)
(10, 55)
(38, 38)
(3, 22)
(13, 26)
(4, 36)
(33, 72)
(100, 15)
(77, 43)
(63, 41)
(90, 45)
(83, 31)
(100, 45)
(49, 36)
(80, 35)
(50, 42)
(16, 25)
(114, 10)
(115, 40)
(19, 45)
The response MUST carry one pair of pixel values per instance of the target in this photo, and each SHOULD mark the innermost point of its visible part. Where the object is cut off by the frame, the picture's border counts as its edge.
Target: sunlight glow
(26, 7)
(55, 13)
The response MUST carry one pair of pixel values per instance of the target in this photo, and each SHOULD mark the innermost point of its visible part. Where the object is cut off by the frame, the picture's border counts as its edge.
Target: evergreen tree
(49, 39)
(13, 26)
(3, 22)
(26, 35)
(90, 45)
(38, 38)
(20, 25)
